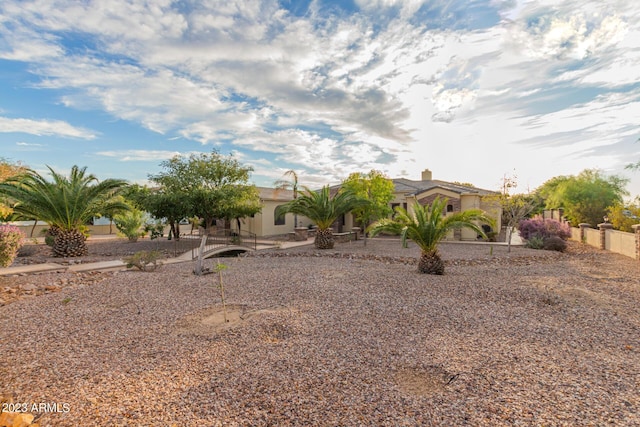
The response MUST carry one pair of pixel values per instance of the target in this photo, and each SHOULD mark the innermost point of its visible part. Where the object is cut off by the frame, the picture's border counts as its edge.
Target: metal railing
(224, 238)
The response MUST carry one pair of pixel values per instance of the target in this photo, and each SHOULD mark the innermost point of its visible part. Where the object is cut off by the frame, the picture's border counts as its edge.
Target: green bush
(144, 260)
(130, 224)
(11, 239)
(535, 242)
(155, 229)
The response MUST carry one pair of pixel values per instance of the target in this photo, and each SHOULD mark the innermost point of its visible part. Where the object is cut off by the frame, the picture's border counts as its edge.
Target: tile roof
(407, 186)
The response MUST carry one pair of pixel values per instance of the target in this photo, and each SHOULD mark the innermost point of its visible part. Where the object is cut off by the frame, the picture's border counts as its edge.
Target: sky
(474, 90)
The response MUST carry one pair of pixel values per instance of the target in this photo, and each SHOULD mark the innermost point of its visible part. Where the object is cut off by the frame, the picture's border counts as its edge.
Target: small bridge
(221, 241)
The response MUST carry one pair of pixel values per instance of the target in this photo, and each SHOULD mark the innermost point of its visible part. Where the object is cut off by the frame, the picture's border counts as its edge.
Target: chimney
(426, 175)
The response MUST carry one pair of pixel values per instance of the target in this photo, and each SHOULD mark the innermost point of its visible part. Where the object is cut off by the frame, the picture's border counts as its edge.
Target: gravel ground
(102, 249)
(352, 336)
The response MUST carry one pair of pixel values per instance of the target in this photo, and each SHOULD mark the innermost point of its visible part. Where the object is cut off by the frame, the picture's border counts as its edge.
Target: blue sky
(471, 89)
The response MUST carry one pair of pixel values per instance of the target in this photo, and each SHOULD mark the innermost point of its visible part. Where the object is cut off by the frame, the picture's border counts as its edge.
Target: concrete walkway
(114, 265)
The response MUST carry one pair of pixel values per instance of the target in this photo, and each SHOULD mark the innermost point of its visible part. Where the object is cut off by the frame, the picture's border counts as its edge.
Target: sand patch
(423, 381)
(215, 319)
(554, 291)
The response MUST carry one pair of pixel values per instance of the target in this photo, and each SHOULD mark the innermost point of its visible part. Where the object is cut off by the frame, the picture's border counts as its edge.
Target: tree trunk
(70, 243)
(324, 239)
(431, 263)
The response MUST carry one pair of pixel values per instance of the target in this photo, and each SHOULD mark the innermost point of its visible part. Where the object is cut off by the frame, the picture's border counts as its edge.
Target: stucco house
(460, 198)
(266, 223)
(407, 192)
(424, 191)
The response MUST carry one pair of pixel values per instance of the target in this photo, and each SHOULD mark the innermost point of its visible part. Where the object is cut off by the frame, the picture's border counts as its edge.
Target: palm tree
(283, 184)
(66, 204)
(323, 210)
(427, 227)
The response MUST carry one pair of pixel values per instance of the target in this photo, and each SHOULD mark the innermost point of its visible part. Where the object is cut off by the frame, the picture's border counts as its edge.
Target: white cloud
(44, 128)
(28, 144)
(342, 93)
(142, 155)
(576, 34)
(407, 7)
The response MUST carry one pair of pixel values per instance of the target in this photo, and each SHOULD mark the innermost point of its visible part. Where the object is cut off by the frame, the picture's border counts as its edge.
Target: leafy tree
(464, 184)
(514, 208)
(586, 197)
(623, 217)
(427, 226)
(212, 186)
(161, 204)
(284, 184)
(323, 209)
(66, 203)
(377, 189)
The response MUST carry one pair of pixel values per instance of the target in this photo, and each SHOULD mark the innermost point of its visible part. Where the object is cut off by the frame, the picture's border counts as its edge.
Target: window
(449, 208)
(278, 220)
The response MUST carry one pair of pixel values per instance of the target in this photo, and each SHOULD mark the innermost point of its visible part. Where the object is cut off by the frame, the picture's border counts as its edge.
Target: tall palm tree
(66, 203)
(283, 184)
(323, 210)
(427, 227)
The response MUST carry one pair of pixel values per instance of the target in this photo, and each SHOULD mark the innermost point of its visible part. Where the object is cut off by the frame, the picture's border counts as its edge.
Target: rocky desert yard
(351, 336)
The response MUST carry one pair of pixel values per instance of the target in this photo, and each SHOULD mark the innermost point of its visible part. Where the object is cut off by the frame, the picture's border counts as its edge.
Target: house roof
(410, 187)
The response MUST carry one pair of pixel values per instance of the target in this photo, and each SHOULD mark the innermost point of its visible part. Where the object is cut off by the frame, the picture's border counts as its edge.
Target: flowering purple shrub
(543, 228)
(11, 239)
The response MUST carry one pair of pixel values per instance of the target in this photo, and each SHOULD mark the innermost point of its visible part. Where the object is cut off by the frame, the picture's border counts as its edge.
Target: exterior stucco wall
(620, 243)
(493, 209)
(592, 237)
(469, 202)
(263, 223)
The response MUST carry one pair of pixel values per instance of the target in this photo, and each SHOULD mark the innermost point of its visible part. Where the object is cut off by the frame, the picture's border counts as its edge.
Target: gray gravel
(351, 337)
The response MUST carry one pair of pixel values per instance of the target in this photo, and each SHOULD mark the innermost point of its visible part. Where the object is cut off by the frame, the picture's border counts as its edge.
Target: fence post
(583, 231)
(636, 230)
(603, 233)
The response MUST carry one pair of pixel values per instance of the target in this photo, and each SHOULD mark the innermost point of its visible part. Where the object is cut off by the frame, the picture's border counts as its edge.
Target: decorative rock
(16, 419)
(29, 287)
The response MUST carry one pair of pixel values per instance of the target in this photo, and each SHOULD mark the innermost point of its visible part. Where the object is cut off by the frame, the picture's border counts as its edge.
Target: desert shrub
(549, 234)
(26, 250)
(556, 228)
(11, 239)
(144, 260)
(544, 228)
(155, 229)
(130, 224)
(554, 243)
(534, 242)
